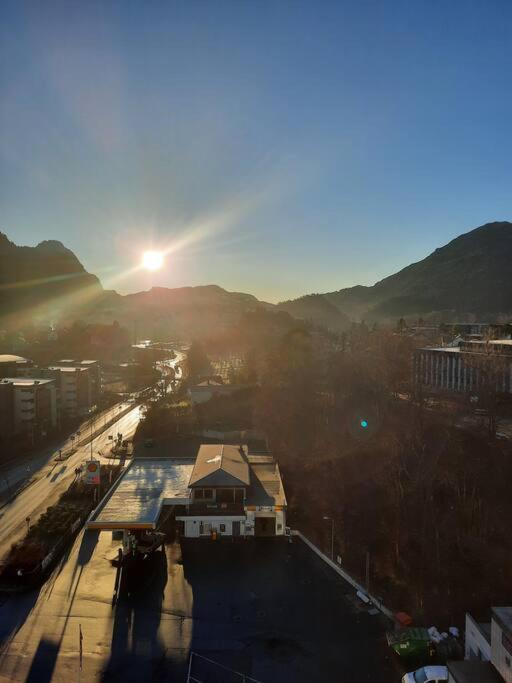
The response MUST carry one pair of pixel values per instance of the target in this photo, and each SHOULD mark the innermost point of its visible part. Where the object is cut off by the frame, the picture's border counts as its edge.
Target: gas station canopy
(137, 498)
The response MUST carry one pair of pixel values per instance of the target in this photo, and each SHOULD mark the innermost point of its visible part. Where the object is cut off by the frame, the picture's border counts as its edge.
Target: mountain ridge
(467, 276)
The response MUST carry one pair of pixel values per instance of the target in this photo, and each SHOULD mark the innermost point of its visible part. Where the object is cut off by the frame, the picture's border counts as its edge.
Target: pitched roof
(220, 465)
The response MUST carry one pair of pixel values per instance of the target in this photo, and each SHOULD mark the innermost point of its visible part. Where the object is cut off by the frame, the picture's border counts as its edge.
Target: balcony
(215, 509)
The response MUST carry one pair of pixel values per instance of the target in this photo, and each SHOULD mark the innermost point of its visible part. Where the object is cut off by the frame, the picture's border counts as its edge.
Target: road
(49, 479)
(13, 475)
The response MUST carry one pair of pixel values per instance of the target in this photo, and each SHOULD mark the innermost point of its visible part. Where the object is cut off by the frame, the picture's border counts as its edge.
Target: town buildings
(34, 400)
(488, 655)
(468, 367)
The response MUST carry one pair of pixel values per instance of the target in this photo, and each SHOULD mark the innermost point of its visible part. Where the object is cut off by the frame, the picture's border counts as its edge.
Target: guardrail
(345, 575)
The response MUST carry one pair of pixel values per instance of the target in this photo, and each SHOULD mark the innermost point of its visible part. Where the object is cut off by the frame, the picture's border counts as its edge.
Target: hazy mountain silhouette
(468, 276)
(471, 275)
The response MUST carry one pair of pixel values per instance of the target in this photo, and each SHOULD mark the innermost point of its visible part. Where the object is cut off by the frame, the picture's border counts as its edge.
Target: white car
(427, 674)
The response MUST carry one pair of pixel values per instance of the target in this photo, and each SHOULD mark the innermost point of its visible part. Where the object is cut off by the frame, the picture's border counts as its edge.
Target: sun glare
(152, 260)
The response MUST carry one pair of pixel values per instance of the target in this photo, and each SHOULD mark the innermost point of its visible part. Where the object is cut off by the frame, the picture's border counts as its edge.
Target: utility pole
(332, 535)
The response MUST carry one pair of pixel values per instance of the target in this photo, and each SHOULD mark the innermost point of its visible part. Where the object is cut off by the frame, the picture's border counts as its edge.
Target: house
(209, 388)
(234, 493)
(488, 656)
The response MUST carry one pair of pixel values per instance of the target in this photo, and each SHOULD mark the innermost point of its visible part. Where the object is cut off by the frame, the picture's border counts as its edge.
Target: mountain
(181, 312)
(41, 282)
(318, 309)
(469, 276)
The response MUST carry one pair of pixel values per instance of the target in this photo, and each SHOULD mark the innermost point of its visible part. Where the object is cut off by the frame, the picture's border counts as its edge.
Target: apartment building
(488, 655)
(14, 366)
(75, 389)
(31, 406)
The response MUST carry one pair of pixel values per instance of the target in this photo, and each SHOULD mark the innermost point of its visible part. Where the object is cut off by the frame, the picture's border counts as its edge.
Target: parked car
(427, 674)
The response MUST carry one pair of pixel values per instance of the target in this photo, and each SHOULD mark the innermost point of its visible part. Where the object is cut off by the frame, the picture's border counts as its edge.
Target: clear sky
(277, 148)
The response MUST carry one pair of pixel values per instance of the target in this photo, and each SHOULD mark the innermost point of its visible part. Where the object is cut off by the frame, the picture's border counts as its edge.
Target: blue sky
(278, 148)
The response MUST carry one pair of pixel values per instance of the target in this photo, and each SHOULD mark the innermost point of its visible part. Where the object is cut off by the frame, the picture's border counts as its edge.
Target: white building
(234, 493)
(463, 368)
(34, 407)
(226, 490)
(488, 650)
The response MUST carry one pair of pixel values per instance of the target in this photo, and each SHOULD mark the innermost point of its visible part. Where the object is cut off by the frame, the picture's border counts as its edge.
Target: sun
(152, 260)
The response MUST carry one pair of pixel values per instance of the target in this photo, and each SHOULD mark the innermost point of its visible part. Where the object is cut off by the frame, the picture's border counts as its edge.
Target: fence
(202, 669)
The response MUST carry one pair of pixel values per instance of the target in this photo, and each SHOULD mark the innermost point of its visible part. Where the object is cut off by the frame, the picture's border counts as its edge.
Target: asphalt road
(267, 608)
(49, 479)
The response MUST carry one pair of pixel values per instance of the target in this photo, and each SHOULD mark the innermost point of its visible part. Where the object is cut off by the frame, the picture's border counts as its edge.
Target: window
(205, 528)
(222, 528)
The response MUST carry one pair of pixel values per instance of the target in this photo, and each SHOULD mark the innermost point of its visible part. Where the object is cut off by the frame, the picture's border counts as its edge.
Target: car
(427, 674)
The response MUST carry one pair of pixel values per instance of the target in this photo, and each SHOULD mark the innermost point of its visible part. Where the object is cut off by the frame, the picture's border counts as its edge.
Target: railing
(206, 666)
(215, 508)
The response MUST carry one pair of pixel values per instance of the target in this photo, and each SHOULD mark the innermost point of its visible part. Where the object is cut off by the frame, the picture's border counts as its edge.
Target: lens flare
(152, 260)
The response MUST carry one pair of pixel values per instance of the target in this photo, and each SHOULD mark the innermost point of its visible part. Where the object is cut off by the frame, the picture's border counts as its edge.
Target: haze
(276, 148)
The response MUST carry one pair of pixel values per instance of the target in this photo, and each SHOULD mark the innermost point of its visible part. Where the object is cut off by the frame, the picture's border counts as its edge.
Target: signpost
(92, 472)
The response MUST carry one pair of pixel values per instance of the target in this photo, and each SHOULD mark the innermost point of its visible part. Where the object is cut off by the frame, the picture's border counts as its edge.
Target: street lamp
(332, 534)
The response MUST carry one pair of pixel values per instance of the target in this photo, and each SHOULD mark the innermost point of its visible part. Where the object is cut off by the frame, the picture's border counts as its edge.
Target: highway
(49, 479)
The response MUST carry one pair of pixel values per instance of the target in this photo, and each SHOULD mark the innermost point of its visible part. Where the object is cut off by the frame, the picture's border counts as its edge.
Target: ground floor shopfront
(268, 522)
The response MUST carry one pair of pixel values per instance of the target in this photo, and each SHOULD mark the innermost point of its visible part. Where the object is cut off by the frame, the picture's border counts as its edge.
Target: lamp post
(327, 518)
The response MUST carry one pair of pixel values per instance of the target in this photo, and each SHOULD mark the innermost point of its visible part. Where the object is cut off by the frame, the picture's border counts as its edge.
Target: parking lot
(266, 608)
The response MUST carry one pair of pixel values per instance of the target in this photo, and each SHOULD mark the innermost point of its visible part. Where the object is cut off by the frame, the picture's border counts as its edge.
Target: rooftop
(266, 486)
(25, 381)
(503, 615)
(67, 368)
(219, 465)
(474, 671)
(137, 498)
(11, 358)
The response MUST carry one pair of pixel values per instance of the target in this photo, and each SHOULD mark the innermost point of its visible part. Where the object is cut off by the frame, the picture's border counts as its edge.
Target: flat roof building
(225, 489)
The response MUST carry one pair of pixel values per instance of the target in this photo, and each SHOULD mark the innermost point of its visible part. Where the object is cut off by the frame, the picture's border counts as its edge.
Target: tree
(197, 362)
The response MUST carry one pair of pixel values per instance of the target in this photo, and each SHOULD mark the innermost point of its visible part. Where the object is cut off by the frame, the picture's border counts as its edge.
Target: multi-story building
(467, 367)
(488, 657)
(31, 406)
(234, 493)
(14, 366)
(93, 367)
(75, 389)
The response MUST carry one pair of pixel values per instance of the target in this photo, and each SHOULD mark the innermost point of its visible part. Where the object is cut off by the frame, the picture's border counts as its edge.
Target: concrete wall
(477, 646)
(500, 656)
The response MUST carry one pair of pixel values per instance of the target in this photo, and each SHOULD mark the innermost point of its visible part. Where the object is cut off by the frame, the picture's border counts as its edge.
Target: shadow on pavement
(136, 648)
(43, 663)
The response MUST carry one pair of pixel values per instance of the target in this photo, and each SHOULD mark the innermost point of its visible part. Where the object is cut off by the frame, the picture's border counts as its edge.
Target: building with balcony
(226, 490)
(31, 406)
(14, 366)
(488, 653)
(76, 388)
(234, 493)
